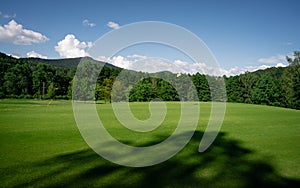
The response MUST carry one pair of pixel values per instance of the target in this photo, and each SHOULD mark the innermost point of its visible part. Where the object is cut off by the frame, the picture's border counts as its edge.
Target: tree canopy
(42, 79)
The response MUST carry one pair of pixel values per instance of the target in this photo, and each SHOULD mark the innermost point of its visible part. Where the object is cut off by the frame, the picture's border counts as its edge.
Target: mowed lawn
(42, 147)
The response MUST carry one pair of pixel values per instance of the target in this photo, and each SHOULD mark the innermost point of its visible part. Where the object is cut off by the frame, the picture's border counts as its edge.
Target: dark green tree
(266, 92)
(234, 89)
(103, 92)
(118, 91)
(202, 87)
(166, 92)
(18, 80)
(143, 91)
(291, 80)
(248, 81)
(51, 91)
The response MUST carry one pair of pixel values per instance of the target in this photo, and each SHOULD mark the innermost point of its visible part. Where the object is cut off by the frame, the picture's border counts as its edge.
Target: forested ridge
(52, 79)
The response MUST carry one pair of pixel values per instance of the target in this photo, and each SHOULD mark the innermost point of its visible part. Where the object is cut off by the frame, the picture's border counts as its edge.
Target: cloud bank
(148, 64)
(278, 60)
(16, 34)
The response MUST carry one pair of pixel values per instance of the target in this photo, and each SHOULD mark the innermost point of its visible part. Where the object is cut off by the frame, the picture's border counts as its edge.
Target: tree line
(274, 86)
(28, 78)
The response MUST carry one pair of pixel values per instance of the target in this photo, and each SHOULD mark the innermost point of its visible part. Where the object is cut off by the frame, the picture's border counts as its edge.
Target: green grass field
(42, 147)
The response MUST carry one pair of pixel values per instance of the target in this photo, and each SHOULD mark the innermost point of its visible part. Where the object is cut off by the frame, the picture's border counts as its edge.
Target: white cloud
(17, 56)
(16, 34)
(102, 58)
(273, 60)
(71, 47)
(35, 54)
(278, 60)
(255, 68)
(280, 65)
(153, 65)
(113, 25)
(88, 23)
(121, 61)
(7, 16)
(136, 56)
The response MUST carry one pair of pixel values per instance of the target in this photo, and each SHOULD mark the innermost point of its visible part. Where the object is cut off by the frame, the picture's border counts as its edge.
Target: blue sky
(243, 35)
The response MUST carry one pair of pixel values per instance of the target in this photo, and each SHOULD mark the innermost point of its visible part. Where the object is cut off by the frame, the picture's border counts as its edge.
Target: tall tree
(202, 87)
(166, 92)
(248, 81)
(234, 89)
(266, 91)
(118, 91)
(291, 79)
(143, 91)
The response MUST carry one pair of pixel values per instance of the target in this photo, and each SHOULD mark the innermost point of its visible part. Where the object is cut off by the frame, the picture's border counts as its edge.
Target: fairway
(42, 147)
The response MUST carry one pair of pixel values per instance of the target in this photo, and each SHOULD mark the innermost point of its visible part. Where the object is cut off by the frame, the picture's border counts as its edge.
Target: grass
(42, 147)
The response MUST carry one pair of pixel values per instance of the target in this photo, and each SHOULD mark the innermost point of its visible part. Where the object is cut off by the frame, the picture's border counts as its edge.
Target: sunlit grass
(41, 146)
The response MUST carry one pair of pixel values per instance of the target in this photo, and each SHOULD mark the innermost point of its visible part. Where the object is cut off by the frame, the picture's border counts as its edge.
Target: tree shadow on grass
(225, 164)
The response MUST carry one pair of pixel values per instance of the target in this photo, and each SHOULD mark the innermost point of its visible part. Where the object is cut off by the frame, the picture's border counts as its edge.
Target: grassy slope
(41, 146)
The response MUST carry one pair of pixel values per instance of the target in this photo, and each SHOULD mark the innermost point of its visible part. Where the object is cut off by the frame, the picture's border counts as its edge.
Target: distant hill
(67, 62)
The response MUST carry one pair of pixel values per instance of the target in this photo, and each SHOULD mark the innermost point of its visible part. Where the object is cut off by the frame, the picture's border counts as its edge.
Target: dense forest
(53, 79)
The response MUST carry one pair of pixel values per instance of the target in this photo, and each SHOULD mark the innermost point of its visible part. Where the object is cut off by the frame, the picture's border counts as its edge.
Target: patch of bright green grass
(41, 146)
